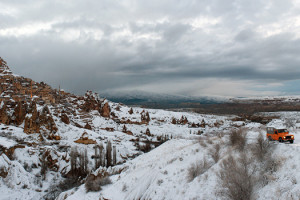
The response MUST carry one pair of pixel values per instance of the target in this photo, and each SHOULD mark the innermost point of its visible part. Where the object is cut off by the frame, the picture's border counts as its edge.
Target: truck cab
(281, 135)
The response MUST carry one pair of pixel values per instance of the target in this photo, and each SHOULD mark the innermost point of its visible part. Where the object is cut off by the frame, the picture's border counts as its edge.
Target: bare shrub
(262, 148)
(290, 122)
(64, 185)
(215, 152)
(209, 141)
(220, 134)
(124, 188)
(197, 169)
(238, 139)
(236, 178)
(202, 142)
(27, 167)
(94, 183)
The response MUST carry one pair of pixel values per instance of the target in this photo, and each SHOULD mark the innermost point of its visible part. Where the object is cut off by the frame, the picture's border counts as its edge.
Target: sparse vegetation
(197, 169)
(254, 166)
(289, 122)
(262, 148)
(238, 139)
(66, 184)
(215, 152)
(94, 183)
(236, 177)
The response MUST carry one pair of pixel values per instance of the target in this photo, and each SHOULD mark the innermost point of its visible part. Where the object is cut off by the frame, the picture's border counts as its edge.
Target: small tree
(289, 122)
(236, 177)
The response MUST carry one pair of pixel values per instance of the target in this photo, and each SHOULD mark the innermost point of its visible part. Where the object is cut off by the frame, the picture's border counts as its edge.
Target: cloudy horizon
(197, 48)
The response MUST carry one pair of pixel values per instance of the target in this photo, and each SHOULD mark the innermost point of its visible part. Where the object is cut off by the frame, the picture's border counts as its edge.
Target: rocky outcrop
(91, 102)
(64, 118)
(4, 69)
(9, 152)
(85, 140)
(145, 117)
(20, 113)
(88, 126)
(4, 114)
(105, 110)
(37, 120)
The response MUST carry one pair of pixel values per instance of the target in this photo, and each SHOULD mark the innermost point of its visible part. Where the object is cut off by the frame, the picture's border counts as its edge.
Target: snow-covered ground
(162, 173)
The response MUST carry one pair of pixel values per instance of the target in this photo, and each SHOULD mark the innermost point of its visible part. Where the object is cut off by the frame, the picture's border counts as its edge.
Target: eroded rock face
(105, 110)
(4, 69)
(20, 113)
(4, 115)
(88, 126)
(145, 117)
(64, 118)
(91, 102)
(37, 120)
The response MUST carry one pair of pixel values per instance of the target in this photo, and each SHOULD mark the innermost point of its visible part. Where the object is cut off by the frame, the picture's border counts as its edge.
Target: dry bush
(197, 169)
(290, 122)
(209, 140)
(202, 142)
(262, 148)
(64, 185)
(94, 183)
(236, 178)
(215, 152)
(238, 138)
(220, 134)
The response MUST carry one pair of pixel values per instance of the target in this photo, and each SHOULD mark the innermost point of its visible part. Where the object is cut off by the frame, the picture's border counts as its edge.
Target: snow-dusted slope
(163, 173)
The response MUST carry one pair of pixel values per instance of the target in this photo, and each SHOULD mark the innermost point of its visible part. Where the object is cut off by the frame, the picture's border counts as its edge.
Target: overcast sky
(189, 47)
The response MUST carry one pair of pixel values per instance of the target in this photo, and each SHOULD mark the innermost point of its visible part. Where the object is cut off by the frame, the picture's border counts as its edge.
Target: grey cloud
(231, 49)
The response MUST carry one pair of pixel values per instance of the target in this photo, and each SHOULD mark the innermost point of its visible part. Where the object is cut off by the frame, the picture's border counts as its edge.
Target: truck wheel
(291, 141)
(280, 140)
(270, 138)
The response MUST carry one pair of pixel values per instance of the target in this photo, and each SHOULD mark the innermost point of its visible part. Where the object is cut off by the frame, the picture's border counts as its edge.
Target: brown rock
(145, 117)
(4, 69)
(85, 140)
(88, 126)
(174, 121)
(91, 102)
(148, 132)
(4, 117)
(10, 152)
(105, 110)
(130, 111)
(20, 113)
(183, 120)
(64, 118)
(124, 129)
(39, 120)
(53, 137)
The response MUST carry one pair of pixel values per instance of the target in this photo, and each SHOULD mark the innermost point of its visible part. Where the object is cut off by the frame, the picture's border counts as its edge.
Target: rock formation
(4, 69)
(105, 110)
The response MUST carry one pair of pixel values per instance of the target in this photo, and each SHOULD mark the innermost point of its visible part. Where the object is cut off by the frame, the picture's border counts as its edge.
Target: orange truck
(281, 135)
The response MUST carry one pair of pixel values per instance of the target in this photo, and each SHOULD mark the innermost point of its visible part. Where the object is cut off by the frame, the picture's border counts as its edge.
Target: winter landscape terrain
(57, 145)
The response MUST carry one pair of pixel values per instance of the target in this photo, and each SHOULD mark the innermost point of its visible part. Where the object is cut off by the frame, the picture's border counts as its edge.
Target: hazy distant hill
(158, 100)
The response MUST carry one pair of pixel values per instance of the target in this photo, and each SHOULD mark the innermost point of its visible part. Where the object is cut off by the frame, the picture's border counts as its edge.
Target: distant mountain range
(159, 100)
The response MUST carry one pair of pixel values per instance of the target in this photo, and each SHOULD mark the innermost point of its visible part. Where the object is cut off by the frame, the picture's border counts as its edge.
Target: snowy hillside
(164, 173)
(57, 145)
